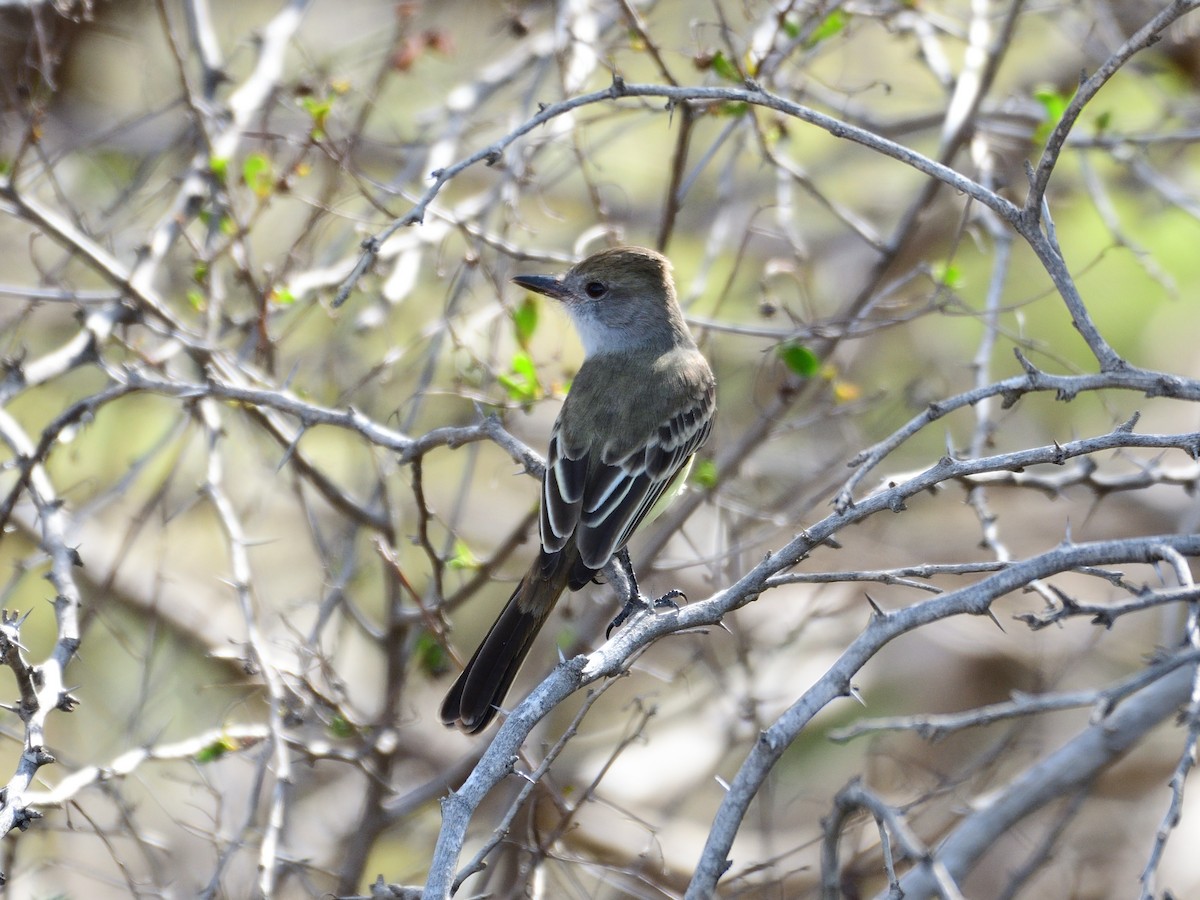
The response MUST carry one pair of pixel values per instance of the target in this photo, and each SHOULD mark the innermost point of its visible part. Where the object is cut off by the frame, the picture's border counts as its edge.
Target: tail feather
(476, 696)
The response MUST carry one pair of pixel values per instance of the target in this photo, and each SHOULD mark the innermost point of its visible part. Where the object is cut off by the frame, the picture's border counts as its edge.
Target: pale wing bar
(621, 492)
(562, 495)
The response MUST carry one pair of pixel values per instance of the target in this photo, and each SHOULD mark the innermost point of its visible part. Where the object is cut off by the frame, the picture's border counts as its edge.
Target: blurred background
(275, 595)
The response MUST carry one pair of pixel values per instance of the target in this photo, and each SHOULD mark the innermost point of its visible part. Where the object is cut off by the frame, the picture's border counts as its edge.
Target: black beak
(547, 285)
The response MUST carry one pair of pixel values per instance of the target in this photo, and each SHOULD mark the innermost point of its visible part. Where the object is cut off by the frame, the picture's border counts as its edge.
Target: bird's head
(619, 299)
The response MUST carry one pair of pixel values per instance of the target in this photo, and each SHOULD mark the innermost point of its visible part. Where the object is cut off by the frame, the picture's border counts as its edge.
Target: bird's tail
(476, 696)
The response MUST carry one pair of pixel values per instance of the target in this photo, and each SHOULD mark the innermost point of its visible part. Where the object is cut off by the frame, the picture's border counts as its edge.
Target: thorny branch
(281, 449)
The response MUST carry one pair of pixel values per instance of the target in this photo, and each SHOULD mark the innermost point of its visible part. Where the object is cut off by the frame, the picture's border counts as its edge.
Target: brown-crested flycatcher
(640, 406)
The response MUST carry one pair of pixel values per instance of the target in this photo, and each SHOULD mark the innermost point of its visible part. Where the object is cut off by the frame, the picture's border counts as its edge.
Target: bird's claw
(638, 603)
(632, 605)
(667, 600)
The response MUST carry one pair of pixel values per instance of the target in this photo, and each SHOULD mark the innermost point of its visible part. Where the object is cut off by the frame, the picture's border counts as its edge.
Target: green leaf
(726, 69)
(258, 175)
(318, 109)
(217, 749)
(522, 382)
(704, 474)
(431, 655)
(219, 167)
(463, 558)
(948, 274)
(1054, 104)
(525, 319)
(341, 727)
(282, 296)
(799, 359)
(833, 24)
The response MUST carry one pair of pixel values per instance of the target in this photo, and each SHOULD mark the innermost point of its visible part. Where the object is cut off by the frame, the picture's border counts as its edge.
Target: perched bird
(640, 406)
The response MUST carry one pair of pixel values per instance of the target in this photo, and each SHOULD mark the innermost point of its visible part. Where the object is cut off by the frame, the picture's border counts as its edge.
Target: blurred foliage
(369, 577)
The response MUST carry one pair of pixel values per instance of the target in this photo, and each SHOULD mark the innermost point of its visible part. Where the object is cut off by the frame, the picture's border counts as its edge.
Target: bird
(641, 404)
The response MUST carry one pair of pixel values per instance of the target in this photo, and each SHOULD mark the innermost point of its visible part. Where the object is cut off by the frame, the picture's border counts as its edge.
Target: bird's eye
(595, 289)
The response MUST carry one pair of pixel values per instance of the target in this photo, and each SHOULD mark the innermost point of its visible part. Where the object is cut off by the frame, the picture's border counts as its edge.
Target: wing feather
(604, 483)
(620, 495)
(601, 497)
(562, 495)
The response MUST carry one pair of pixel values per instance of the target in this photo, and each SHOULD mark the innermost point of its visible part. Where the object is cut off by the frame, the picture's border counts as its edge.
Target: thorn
(991, 615)
(1063, 597)
(1030, 368)
(1127, 427)
(857, 695)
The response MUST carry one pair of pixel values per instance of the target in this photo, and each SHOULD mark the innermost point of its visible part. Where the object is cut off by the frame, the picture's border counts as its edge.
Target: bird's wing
(601, 498)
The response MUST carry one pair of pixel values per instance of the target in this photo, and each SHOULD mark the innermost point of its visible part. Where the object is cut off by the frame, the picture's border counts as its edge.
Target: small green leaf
(431, 655)
(282, 296)
(258, 175)
(217, 749)
(523, 364)
(522, 382)
(318, 109)
(799, 359)
(1054, 104)
(525, 319)
(704, 474)
(948, 274)
(219, 167)
(341, 727)
(833, 23)
(463, 558)
(196, 300)
(726, 69)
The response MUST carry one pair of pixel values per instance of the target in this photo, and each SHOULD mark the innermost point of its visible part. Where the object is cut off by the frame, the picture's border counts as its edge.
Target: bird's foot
(638, 603)
(667, 600)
